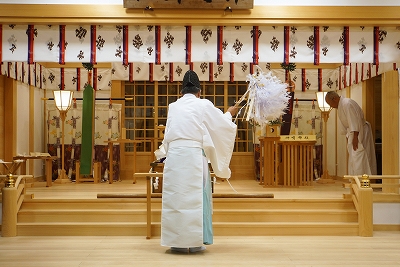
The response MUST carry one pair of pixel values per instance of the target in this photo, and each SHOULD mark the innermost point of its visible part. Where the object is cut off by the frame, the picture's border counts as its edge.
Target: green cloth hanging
(87, 131)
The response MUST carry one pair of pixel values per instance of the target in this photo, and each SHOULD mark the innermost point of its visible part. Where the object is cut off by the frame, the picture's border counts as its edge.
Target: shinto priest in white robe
(351, 117)
(196, 132)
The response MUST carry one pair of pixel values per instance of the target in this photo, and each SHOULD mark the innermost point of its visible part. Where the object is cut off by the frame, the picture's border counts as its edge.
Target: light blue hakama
(207, 206)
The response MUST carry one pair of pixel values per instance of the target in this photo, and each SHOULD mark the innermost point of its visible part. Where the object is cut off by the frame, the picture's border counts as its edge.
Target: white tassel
(267, 98)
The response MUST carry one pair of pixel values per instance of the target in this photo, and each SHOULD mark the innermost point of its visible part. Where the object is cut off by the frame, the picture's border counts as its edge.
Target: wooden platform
(90, 190)
(68, 225)
(240, 208)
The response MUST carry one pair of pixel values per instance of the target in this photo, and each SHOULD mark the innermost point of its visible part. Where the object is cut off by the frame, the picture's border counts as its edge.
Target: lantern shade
(323, 106)
(63, 99)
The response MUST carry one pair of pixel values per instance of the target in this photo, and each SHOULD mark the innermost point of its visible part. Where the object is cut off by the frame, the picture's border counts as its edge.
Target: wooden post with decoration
(273, 130)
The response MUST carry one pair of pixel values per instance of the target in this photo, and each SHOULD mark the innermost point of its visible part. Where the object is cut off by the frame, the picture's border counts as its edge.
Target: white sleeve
(219, 135)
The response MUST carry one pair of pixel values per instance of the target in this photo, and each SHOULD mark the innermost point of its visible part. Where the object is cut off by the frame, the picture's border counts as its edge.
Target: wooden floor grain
(380, 250)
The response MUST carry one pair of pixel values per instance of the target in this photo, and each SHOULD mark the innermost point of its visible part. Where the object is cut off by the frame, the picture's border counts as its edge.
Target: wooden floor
(380, 250)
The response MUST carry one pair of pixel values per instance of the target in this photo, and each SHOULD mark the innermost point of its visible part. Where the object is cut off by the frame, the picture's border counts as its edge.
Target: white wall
(22, 119)
(38, 132)
(386, 213)
(356, 93)
(23, 126)
(331, 145)
(337, 145)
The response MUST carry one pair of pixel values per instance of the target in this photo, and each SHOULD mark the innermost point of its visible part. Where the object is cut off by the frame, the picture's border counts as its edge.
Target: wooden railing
(149, 194)
(13, 197)
(362, 194)
(390, 183)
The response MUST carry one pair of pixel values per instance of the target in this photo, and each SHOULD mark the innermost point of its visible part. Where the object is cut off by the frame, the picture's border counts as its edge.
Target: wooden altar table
(287, 160)
(47, 168)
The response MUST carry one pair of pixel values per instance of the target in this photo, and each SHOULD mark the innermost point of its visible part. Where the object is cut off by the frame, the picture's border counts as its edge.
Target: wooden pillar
(365, 221)
(268, 151)
(31, 143)
(2, 117)
(390, 128)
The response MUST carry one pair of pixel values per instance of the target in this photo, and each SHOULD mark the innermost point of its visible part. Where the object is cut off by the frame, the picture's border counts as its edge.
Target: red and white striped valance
(101, 79)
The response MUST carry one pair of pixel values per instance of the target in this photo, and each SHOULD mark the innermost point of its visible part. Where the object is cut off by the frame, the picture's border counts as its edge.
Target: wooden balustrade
(12, 198)
(361, 195)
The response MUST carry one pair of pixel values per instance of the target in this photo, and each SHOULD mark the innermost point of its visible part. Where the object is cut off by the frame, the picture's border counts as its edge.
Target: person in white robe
(196, 133)
(360, 143)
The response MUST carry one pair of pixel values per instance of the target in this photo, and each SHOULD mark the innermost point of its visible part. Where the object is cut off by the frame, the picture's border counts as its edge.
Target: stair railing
(390, 185)
(361, 194)
(360, 185)
(13, 195)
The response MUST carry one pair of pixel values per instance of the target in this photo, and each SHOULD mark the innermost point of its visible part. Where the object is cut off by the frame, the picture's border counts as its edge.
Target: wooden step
(84, 229)
(285, 215)
(88, 215)
(85, 203)
(220, 215)
(288, 228)
(232, 216)
(223, 203)
(284, 203)
(220, 229)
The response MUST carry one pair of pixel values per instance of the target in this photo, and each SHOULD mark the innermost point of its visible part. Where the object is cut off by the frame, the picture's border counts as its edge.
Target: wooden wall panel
(242, 166)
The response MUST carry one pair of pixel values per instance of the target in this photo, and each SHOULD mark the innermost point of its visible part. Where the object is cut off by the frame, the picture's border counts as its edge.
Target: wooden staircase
(232, 217)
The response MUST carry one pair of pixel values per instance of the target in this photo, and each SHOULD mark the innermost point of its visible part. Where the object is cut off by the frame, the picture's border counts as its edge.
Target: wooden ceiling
(189, 4)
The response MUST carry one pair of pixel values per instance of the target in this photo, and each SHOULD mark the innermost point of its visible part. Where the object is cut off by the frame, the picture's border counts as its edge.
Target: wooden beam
(197, 4)
(259, 15)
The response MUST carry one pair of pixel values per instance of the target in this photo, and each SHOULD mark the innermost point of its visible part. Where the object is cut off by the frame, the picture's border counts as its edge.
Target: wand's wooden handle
(240, 100)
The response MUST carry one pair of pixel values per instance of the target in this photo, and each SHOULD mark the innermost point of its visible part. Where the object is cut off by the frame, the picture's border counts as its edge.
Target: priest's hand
(233, 110)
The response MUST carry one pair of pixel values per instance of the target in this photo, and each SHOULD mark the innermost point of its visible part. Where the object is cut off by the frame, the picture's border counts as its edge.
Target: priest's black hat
(191, 83)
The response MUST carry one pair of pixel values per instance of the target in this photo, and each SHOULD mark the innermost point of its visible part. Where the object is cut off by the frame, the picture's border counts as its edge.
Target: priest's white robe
(351, 117)
(193, 125)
